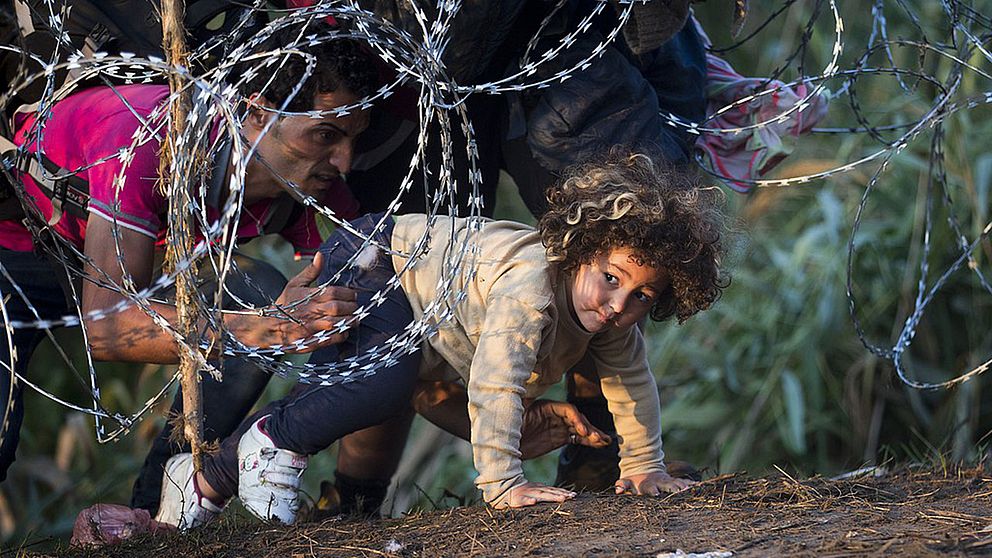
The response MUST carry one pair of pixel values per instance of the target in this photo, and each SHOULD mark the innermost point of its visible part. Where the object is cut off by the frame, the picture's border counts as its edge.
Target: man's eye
(327, 136)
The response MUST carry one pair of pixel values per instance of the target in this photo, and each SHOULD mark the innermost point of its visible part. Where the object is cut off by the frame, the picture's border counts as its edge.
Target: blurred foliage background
(774, 374)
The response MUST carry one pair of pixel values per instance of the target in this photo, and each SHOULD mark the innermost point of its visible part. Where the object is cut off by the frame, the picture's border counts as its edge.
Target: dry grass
(903, 513)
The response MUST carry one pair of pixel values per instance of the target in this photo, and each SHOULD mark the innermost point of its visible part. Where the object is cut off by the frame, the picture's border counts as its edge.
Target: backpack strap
(285, 210)
(200, 12)
(69, 194)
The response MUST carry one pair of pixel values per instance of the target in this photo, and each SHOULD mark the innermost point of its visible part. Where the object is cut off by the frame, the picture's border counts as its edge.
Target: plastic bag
(104, 524)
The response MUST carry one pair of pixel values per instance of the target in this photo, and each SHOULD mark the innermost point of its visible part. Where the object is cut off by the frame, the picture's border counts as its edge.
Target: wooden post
(180, 227)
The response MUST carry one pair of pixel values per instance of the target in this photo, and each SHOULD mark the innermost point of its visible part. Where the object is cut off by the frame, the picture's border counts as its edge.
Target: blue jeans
(312, 417)
(616, 101)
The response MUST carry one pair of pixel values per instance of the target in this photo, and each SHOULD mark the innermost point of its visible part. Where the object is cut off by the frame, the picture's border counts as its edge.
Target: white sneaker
(181, 503)
(269, 477)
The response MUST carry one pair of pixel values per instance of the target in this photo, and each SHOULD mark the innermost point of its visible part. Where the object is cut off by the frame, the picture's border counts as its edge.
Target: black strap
(285, 210)
(69, 194)
(199, 13)
(10, 204)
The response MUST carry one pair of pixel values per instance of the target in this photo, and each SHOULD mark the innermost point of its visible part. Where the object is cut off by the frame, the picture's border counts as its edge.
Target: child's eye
(610, 278)
(643, 297)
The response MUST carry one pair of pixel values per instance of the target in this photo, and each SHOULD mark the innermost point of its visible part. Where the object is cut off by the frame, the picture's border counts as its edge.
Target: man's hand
(549, 425)
(534, 492)
(651, 484)
(319, 313)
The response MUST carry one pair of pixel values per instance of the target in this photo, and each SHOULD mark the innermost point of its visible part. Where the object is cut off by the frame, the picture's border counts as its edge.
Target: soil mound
(902, 513)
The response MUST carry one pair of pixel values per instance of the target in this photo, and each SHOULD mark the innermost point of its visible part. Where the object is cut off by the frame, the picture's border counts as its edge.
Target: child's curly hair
(662, 213)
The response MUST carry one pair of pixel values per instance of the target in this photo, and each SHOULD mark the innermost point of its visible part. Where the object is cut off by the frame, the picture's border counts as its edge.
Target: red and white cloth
(752, 154)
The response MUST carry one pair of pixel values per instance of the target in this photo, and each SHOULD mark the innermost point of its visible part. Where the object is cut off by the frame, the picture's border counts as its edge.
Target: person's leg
(384, 151)
(37, 278)
(582, 467)
(225, 403)
(367, 460)
(677, 72)
(313, 416)
(11, 405)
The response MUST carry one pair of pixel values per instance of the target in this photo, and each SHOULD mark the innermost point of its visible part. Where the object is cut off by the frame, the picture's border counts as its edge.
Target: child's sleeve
(504, 359)
(632, 395)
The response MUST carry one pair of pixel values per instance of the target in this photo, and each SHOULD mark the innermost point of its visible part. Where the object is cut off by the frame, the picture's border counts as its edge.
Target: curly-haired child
(624, 238)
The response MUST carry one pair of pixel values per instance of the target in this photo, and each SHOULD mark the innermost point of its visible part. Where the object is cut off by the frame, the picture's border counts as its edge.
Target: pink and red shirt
(100, 122)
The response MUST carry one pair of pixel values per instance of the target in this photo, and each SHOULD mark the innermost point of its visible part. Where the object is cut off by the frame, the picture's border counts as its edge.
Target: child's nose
(618, 304)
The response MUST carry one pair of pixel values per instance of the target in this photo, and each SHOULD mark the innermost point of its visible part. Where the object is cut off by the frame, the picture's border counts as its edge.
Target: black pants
(39, 281)
(225, 403)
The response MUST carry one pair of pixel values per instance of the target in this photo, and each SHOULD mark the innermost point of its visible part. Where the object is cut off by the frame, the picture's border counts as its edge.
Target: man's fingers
(587, 434)
(571, 416)
(329, 311)
(334, 293)
(325, 309)
(598, 439)
(311, 310)
(602, 438)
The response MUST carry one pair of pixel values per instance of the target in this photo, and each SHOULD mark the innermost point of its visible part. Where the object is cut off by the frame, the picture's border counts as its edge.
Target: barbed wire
(416, 56)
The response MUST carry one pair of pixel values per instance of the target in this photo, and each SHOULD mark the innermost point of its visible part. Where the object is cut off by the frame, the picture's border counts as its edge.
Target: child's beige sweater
(512, 337)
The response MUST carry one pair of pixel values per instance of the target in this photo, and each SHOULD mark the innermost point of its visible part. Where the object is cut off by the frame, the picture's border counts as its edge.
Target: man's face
(614, 291)
(312, 153)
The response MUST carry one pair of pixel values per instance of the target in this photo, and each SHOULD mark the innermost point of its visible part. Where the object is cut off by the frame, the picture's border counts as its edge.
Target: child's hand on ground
(549, 425)
(534, 492)
(651, 484)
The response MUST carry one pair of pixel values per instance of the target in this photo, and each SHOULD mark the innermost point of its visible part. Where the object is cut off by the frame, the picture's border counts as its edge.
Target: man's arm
(444, 404)
(374, 453)
(547, 425)
(132, 335)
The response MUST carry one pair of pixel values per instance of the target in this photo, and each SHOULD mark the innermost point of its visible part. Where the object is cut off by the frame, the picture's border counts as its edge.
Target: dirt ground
(902, 513)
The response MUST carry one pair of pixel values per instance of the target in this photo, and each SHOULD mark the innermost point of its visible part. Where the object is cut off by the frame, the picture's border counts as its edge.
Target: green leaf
(795, 412)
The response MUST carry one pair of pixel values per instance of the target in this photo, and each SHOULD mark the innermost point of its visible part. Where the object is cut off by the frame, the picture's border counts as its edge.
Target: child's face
(614, 291)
